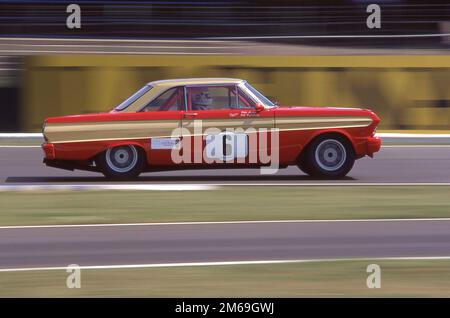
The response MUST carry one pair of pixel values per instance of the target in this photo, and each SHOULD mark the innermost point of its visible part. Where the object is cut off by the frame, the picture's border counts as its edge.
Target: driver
(201, 98)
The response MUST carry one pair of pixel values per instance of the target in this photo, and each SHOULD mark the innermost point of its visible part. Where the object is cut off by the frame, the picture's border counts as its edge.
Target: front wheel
(328, 157)
(122, 162)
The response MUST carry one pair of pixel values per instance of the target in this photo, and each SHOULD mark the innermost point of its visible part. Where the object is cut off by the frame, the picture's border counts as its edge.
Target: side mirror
(259, 107)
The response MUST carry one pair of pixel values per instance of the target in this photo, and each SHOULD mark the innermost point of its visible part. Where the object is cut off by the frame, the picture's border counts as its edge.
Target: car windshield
(260, 96)
(133, 98)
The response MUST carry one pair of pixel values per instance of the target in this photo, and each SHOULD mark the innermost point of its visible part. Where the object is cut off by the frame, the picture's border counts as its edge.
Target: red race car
(209, 123)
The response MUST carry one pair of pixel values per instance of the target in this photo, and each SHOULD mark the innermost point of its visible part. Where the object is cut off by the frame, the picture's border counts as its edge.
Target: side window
(172, 99)
(212, 97)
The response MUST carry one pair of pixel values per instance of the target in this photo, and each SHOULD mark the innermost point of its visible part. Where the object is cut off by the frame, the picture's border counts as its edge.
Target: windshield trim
(130, 100)
(258, 95)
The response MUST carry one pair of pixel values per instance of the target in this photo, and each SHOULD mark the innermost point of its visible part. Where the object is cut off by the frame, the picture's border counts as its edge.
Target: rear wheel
(328, 156)
(122, 162)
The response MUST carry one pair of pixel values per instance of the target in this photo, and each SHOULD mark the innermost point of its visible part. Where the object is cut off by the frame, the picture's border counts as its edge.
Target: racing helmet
(201, 98)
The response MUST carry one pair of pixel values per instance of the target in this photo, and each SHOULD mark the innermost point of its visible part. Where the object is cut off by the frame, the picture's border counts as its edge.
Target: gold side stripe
(108, 130)
(113, 122)
(96, 131)
(195, 135)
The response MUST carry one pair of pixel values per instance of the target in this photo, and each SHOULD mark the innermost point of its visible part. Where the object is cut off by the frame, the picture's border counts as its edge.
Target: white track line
(217, 223)
(101, 187)
(20, 135)
(225, 263)
(198, 186)
(25, 146)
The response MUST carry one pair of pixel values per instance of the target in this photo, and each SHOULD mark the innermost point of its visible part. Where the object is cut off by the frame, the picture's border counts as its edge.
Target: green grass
(409, 278)
(323, 279)
(229, 203)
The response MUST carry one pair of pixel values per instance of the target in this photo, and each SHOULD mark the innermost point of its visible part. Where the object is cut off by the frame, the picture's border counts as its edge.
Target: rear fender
(118, 143)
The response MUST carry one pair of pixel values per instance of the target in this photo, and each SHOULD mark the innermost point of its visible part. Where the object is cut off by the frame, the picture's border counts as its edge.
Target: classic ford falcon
(209, 123)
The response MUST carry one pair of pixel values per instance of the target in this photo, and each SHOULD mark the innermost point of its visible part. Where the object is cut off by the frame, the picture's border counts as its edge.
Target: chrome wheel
(122, 159)
(330, 155)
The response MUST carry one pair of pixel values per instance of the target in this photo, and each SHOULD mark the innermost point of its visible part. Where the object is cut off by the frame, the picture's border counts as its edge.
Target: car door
(162, 119)
(222, 125)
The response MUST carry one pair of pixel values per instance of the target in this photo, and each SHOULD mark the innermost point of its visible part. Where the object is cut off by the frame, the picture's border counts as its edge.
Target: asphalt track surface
(185, 243)
(418, 164)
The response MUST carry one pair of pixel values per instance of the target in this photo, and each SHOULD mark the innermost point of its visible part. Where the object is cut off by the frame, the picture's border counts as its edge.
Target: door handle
(190, 115)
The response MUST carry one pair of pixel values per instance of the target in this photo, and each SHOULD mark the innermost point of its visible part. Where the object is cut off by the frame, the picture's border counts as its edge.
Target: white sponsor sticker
(165, 143)
(227, 146)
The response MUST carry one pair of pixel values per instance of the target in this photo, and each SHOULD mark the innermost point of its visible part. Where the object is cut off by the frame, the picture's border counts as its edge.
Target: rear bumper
(373, 145)
(70, 165)
(59, 164)
(49, 151)
(51, 161)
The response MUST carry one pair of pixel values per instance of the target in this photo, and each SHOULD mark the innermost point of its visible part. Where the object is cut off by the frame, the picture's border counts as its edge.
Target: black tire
(122, 162)
(303, 165)
(328, 157)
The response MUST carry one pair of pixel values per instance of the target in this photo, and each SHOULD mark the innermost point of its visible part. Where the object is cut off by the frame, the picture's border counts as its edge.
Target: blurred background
(304, 53)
